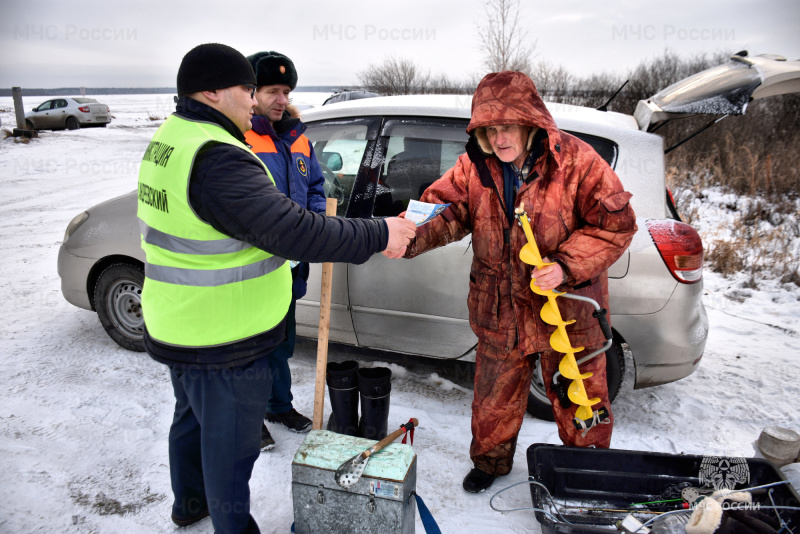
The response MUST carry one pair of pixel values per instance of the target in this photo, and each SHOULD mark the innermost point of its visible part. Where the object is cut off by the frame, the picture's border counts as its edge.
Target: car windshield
(84, 100)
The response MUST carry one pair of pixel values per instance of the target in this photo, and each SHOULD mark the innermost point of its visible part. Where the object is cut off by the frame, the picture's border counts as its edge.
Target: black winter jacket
(229, 190)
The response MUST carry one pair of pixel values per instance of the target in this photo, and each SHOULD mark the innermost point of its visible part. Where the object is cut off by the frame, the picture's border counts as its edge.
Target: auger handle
(600, 315)
(391, 437)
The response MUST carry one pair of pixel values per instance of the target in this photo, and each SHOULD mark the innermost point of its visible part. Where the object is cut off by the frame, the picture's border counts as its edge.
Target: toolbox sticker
(384, 489)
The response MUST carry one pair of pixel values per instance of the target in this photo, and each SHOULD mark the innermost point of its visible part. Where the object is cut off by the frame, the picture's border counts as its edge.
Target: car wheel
(29, 125)
(118, 301)
(72, 123)
(539, 405)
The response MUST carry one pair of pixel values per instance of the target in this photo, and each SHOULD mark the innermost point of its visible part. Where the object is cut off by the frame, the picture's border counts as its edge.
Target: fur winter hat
(213, 66)
(273, 68)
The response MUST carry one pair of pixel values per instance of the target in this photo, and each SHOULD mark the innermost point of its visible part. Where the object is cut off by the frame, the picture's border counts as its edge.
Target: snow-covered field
(83, 423)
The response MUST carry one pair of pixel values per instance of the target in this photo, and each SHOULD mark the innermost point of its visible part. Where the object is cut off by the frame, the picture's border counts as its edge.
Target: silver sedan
(69, 113)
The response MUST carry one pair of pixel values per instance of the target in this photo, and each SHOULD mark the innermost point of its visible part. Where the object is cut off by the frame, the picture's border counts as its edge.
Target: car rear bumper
(667, 345)
(74, 271)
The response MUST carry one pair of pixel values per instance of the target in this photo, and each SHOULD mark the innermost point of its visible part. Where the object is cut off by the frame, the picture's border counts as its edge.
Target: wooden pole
(324, 327)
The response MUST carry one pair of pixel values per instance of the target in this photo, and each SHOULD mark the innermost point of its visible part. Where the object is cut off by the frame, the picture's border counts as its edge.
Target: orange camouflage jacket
(580, 216)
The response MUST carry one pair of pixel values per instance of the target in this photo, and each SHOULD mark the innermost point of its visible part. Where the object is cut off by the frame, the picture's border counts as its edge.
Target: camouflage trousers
(502, 382)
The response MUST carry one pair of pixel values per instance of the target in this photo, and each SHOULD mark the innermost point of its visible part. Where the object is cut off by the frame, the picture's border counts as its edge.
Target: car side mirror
(332, 160)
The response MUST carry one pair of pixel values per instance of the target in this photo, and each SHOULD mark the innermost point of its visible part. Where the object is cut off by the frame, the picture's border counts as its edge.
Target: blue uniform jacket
(290, 158)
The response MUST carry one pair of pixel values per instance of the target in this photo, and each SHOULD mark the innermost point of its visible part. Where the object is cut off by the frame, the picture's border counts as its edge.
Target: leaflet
(422, 212)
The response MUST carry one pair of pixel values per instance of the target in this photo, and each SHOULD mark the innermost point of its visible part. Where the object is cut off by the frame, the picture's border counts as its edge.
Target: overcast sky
(70, 43)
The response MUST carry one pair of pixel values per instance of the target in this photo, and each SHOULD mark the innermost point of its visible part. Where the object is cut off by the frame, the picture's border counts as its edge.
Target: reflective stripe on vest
(203, 278)
(182, 245)
(202, 288)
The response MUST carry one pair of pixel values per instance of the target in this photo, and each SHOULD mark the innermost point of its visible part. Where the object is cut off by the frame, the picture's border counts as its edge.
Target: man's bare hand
(401, 232)
(549, 276)
(394, 254)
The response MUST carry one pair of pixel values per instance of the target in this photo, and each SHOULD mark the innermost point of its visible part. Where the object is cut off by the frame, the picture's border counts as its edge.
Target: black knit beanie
(273, 68)
(213, 66)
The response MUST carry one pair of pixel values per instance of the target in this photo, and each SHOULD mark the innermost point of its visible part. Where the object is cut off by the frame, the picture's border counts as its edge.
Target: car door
(414, 306)
(341, 146)
(42, 115)
(59, 113)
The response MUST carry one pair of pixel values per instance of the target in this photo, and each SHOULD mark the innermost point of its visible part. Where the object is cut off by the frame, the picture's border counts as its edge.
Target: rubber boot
(374, 385)
(343, 392)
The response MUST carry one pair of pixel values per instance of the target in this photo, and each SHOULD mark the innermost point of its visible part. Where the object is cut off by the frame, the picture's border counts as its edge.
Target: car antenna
(604, 107)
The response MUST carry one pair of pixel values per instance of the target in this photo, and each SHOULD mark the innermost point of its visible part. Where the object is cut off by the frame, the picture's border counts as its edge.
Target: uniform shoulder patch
(301, 165)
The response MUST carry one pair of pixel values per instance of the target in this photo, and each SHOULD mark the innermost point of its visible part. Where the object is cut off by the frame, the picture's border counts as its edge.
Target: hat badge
(283, 69)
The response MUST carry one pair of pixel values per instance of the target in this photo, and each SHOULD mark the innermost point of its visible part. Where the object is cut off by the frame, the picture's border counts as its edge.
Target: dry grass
(761, 242)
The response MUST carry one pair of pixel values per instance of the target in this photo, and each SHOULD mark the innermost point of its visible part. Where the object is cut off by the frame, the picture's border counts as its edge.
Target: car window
(45, 106)
(61, 103)
(339, 147)
(418, 153)
(608, 150)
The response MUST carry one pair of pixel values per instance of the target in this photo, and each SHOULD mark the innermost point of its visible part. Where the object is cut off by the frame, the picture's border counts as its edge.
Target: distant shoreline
(138, 90)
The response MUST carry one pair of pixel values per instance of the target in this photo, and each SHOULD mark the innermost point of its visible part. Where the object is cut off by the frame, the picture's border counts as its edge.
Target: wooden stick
(324, 327)
(391, 437)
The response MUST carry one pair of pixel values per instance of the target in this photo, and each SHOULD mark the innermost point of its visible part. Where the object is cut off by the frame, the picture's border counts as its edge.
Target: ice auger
(585, 416)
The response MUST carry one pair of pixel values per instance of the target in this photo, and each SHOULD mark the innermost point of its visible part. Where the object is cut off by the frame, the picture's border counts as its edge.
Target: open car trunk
(722, 90)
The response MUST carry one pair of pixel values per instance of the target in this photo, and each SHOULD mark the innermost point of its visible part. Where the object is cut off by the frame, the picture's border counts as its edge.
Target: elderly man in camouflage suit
(582, 221)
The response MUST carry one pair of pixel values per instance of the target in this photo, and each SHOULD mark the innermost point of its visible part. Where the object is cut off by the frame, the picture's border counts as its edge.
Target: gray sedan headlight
(74, 224)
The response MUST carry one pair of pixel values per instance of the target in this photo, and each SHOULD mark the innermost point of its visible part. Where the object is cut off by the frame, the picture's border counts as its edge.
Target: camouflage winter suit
(581, 217)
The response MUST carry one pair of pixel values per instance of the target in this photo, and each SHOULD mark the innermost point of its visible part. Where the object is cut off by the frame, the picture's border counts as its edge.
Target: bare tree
(554, 82)
(400, 76)
(505, 42)
(395, 76)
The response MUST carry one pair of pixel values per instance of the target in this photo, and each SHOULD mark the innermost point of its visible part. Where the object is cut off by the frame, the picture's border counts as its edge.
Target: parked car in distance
(67, 112)
(344, 96)
(377, 154)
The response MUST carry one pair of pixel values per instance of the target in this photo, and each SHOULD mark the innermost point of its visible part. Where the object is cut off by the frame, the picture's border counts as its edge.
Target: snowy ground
(83, 431)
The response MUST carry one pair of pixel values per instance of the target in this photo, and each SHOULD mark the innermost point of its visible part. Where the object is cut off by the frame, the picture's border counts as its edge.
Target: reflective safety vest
(202, 288)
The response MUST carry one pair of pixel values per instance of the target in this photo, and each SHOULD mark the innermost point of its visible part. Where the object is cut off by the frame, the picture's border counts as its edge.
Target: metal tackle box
(381, 500)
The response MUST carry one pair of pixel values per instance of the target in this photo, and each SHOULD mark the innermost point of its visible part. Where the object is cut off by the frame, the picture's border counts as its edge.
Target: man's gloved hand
(729, 517)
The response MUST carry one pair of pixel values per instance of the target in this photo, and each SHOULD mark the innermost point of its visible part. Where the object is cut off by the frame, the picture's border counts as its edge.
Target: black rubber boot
(374, 385)
(343, 392)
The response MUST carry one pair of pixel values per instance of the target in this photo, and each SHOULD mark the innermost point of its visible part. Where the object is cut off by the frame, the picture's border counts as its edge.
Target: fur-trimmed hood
(293, 111)
(509, 97)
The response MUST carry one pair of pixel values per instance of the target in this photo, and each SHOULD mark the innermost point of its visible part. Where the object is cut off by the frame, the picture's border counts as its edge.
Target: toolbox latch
(371, 505)
(320, 497)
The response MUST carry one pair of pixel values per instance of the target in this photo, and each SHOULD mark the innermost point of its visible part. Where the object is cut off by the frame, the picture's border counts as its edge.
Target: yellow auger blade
(585, 412)
(530, 255)
(577, 394)
(550, 314)
(569, 368)
(559, 339)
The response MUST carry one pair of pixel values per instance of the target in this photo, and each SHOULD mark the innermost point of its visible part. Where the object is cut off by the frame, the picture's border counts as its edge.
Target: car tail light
(681, 249)
(85, 109)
